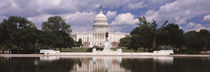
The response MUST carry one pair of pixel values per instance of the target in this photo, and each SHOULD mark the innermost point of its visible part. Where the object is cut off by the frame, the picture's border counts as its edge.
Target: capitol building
(97, 36)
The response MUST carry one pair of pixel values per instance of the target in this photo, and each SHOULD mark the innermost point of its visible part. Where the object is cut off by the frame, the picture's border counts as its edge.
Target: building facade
(97, 36)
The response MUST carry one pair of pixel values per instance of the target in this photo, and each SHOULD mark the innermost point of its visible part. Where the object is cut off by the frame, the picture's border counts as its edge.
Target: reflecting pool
(105, 64)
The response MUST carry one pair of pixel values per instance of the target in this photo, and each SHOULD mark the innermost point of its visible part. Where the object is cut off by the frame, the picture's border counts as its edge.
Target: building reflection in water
(100, 64)
(164, 60)
(107, 63)
(49, 58)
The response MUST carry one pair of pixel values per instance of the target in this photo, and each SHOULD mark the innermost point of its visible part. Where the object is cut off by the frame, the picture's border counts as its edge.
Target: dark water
(105, 64)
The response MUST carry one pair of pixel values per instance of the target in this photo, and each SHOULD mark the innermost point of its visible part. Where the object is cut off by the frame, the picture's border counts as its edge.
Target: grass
(85, 50)
(131, 50)
(73, 49)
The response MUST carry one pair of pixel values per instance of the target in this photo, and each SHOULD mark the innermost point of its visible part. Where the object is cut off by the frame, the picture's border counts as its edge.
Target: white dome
(100, 23)
(100, 15)
(100, 19)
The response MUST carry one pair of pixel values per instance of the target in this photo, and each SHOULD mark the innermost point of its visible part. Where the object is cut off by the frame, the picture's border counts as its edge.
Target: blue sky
(122, 14)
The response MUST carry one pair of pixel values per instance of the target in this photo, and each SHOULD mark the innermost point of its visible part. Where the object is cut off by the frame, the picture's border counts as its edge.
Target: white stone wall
(98, 39)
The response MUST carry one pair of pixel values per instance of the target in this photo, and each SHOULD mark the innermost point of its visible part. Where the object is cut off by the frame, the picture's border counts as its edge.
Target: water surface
(104, 64)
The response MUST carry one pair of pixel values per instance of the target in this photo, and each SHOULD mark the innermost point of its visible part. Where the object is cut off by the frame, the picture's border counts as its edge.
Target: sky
(122, 14)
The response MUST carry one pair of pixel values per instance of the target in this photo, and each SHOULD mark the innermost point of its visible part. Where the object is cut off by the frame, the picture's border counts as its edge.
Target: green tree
(56, 24)
(171, 35)
(79, 43)
(46, 39)
(18, 32)
(149, 35)
(174, 35)
(197, 41)
(59, 31)
(145, 35)
(208, 45)
(2, 37)
(192, 41)
(125, 42)
(8, 29)
(205, 39)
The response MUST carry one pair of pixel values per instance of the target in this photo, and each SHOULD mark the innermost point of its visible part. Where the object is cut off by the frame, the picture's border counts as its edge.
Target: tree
(56, 24)
(149, 35)
(136, 39)
(145, 35)
(60, 30)
(79, 43)
(174, 35)
(46, 39)
(208, 45)
(2, 37)
(205, 39)
(197, 41)
(18, 32)
(125, 42)
(171, 35)
(8, 29)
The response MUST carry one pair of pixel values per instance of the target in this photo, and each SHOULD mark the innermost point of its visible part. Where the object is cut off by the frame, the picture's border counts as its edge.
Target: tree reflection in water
(34, 64)
(105, 64)
(167, 64)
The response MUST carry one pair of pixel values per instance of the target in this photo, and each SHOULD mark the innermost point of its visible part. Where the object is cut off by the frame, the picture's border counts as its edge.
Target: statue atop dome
(101, 10)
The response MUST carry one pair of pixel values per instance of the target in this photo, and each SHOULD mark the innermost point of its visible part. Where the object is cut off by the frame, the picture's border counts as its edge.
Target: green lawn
(131, 50)
(85, 50)
(73, 49)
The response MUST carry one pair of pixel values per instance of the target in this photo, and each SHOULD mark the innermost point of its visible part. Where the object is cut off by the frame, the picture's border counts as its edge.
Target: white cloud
(111, 14)
(151, 14)
(122, 28)
(124, 22)
(180, 11)
(37, 20)
(28, 8)
(124, 18)
(2, 18)
(80, 21)
(194, 26)
(114, 3)
(116, 28)
(206, 18)
(135, 5)
(80, 13)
